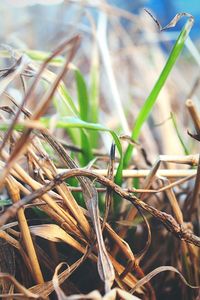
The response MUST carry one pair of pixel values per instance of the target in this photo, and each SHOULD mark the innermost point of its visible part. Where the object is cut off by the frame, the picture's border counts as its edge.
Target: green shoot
(150, 101)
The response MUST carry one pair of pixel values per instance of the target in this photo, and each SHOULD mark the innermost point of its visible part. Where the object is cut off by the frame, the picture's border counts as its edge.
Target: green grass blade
(65, 104)
(150, 101)
(40, 56)
(83, 101)
(5, 202)
(82, 95)
(72, 122)
(37, 55)
(94, 95)
(185, 149)
(86, 156)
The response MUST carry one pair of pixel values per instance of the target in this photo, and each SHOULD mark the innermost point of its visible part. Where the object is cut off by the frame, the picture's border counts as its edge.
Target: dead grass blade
(25, 293)
(63, 190)
(170, 223)
(129, 279)
(47, 223)
(54, 233)
(114, 294)
(109, 194)
(58, 213)
(195, 136)
(66, 196)
(105, 267)
(166, 219)
(12, 72)
(22, 143)
(158, 270)
(90, 195)
(173, 22)
(48, 287)
(15, 196)
(60, 294)
(32, 87)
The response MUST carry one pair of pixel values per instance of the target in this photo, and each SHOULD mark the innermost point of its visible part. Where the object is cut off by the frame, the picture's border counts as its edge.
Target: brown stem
(170, 223)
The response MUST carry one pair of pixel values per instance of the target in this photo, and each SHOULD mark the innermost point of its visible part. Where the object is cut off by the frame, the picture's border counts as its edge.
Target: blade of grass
(62, 101)
(22, 142)
(83, 101)
(65, 106)
(150, 101)
(37, 55)
(82, 95)
(158, 270)
(185, 149)
(5, 202)
(72, 122)
(94, 93)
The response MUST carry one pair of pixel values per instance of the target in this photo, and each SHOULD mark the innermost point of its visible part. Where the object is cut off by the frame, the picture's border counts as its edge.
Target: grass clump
(140, 215)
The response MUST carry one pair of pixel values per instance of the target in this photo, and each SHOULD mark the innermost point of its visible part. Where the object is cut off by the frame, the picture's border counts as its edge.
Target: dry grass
(69, 230)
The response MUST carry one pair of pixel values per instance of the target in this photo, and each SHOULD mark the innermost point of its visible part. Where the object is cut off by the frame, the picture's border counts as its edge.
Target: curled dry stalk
(149, 179)
(170, 223)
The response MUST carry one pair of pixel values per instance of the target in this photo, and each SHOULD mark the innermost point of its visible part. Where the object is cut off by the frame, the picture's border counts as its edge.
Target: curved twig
(170, 223)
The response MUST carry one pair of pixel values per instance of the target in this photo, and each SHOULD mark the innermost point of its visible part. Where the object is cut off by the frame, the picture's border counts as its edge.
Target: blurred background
(128, 49)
